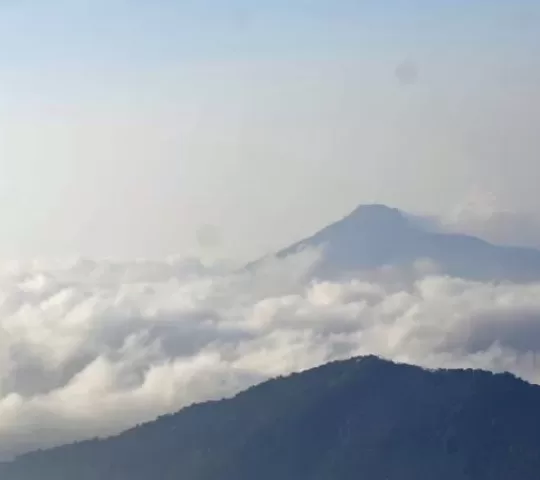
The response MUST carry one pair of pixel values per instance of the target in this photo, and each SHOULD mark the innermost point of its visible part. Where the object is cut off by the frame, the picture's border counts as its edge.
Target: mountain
(363, 418)
(375, 235)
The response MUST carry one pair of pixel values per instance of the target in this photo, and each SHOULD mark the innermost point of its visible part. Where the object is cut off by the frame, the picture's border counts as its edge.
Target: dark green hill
(364, 418)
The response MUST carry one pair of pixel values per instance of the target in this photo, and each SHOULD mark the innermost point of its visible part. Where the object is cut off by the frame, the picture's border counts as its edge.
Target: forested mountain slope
(360, 418)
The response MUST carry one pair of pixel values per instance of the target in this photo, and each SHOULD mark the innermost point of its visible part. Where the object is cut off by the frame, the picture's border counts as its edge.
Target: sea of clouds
(89, 348)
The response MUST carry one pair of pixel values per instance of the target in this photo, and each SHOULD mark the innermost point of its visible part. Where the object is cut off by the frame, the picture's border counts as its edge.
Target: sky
(228, 129)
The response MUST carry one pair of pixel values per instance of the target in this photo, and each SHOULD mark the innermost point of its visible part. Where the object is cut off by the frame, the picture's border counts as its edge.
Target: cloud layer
(482, 215)
(90, 348)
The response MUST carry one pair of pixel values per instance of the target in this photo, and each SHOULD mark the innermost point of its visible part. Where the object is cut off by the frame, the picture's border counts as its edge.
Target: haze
(231, 128)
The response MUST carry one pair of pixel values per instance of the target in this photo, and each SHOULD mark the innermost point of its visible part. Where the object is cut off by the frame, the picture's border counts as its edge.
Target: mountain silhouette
(363, 418)
(374, 236)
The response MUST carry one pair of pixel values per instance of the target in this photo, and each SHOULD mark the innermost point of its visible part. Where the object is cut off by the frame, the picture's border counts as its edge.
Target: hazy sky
(127, 126)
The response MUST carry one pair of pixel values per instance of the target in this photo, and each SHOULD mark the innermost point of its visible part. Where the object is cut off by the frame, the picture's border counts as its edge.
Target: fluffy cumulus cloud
(91, 348)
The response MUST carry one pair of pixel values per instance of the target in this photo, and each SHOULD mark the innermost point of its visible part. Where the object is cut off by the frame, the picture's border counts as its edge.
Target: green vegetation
(363, 418)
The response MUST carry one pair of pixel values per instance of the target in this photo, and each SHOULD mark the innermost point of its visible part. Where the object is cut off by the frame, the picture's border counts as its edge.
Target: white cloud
(482, 215)
(92, 347)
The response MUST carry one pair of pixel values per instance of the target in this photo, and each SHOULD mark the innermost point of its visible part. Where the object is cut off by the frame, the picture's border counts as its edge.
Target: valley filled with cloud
(89, 348)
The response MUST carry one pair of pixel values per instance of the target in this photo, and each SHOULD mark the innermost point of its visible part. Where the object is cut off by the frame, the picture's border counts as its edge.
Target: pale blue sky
(126, 125)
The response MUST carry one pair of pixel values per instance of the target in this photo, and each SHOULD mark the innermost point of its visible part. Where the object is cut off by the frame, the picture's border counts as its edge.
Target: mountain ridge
(375, 235)
(359, 418)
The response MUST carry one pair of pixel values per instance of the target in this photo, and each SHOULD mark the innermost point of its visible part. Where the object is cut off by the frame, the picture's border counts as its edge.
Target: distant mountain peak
(375, 208)
(374, 215)
(376, 235)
